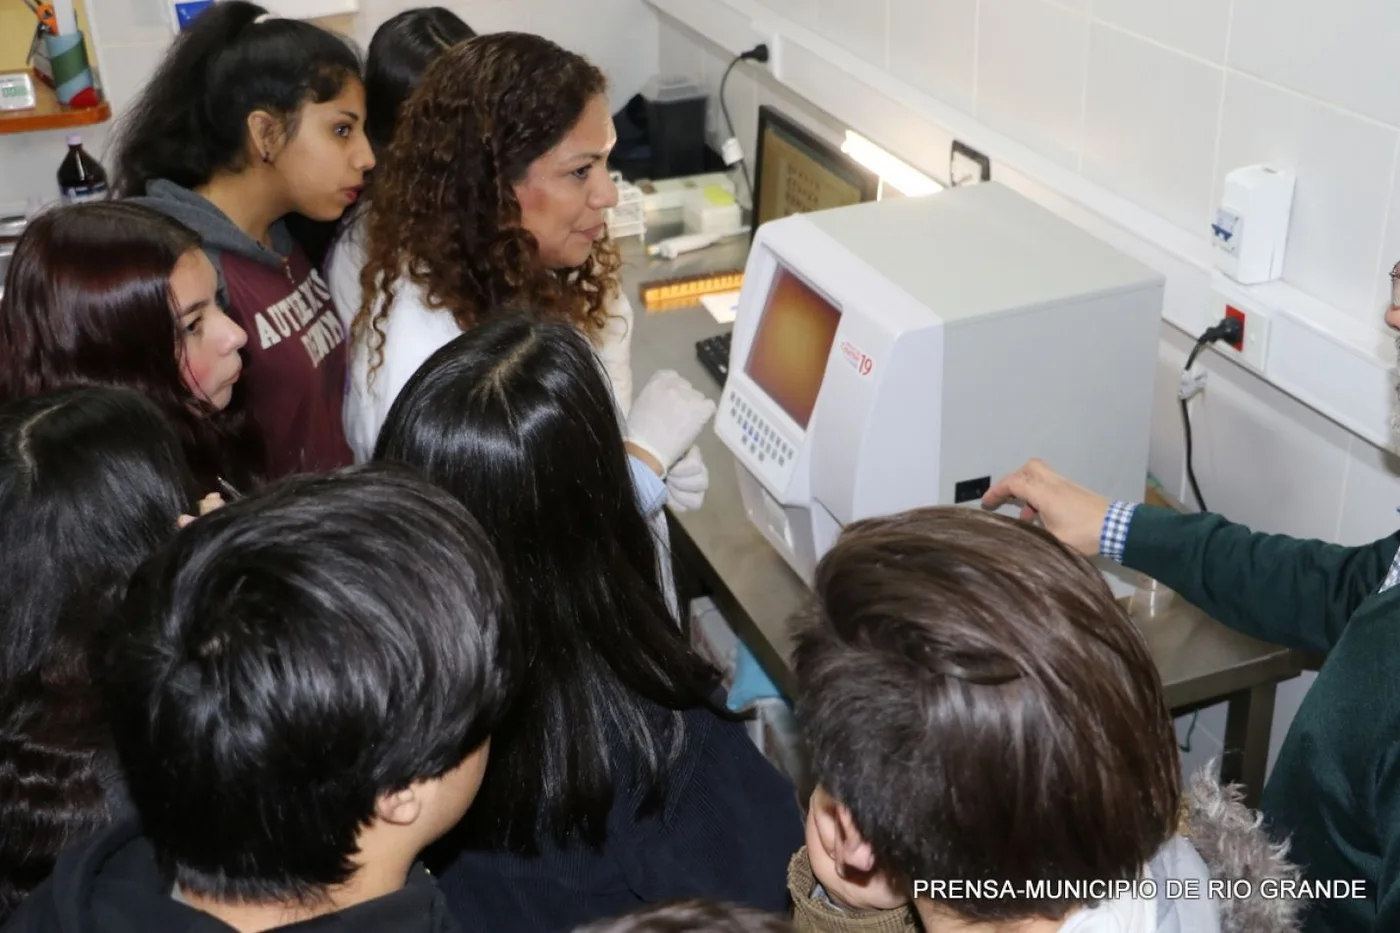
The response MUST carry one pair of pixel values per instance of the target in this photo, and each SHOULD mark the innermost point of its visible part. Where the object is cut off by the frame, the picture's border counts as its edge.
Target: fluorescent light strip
(899, 175)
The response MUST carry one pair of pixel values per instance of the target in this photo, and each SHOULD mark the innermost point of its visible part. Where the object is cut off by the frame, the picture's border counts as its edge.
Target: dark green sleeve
(1386, 795)
(1282, 590)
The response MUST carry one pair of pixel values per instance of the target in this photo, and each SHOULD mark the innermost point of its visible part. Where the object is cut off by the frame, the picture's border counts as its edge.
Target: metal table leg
(1249, 719)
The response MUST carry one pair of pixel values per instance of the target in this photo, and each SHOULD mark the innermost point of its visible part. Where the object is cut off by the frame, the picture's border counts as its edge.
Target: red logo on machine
(863, 364)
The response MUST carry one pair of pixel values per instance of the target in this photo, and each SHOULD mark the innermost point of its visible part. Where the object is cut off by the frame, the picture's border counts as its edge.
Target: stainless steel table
(1201, 661)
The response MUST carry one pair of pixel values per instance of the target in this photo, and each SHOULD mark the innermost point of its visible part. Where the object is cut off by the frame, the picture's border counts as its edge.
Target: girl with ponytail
(249, 119)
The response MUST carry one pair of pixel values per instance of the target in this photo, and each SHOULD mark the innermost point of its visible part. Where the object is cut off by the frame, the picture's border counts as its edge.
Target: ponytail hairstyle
(192, 119)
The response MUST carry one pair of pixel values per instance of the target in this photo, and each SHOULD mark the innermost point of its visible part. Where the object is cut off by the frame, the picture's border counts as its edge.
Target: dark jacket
(294, 368)
(729, 826)
(1335, 788)
(110, 884)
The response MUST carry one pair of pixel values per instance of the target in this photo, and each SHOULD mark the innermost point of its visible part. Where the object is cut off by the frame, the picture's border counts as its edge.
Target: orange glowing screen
(794, 338)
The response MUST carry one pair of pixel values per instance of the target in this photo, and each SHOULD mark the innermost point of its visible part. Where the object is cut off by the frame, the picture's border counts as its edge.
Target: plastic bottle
(81, 177)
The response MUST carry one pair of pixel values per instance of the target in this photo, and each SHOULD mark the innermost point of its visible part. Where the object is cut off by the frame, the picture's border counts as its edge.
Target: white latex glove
(687, 481)
(667, 417)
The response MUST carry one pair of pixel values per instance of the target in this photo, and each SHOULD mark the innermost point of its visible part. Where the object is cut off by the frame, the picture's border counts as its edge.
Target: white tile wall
(679, 51)
(802, 12)
(130, 22)
(127, 68)
(851, 104)
(483, 15)
(1149, 125)
(1341, 52)
(1240, 421)
(1196, 27)
(859, 27)
(1372, 495)
(933, 46)
(1032, 58)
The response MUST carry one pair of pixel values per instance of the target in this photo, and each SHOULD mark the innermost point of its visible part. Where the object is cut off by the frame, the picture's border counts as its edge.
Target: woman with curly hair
(492, 196)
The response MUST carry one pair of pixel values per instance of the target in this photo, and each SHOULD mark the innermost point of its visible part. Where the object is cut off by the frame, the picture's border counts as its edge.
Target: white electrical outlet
(1227, 301)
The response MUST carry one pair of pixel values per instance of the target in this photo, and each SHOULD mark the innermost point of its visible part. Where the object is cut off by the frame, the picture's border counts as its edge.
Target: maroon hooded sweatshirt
(294, 364)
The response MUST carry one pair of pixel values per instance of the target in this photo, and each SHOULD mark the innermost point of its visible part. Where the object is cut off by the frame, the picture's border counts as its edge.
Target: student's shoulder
(728, 769)
(79, 893)
(1372, 636)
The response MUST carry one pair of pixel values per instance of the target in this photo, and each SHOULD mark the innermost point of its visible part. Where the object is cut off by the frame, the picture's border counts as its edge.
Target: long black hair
(191, 120)
(516, 420)
(92, 480)
(402, 49)
(88, 302)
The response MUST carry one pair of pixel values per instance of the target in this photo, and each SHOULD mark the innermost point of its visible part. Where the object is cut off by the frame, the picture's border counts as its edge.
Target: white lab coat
(413, 332)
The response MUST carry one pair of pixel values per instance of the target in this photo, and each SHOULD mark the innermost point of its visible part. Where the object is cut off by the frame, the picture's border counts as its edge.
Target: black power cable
(758, 53)
(1231, 330)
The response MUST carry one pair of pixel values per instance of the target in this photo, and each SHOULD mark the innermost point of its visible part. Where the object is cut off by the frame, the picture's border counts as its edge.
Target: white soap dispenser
(1250, 230)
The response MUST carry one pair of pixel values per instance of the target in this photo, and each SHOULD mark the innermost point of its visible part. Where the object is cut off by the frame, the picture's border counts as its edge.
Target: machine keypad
(757, 435)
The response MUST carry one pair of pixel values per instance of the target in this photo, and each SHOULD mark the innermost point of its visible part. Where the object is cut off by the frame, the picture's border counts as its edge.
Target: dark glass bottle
(81, 178)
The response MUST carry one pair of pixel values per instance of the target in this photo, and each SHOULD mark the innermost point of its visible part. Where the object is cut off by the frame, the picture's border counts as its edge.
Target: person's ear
(401, 807)
(839, 837)
(265, 133)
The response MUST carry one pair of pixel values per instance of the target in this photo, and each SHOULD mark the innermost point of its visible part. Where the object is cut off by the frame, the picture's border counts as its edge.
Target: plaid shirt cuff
(1393, 576)
(1113, 537)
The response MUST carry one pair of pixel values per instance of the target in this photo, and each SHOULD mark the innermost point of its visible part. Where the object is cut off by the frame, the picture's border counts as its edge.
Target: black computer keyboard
(713, 353)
